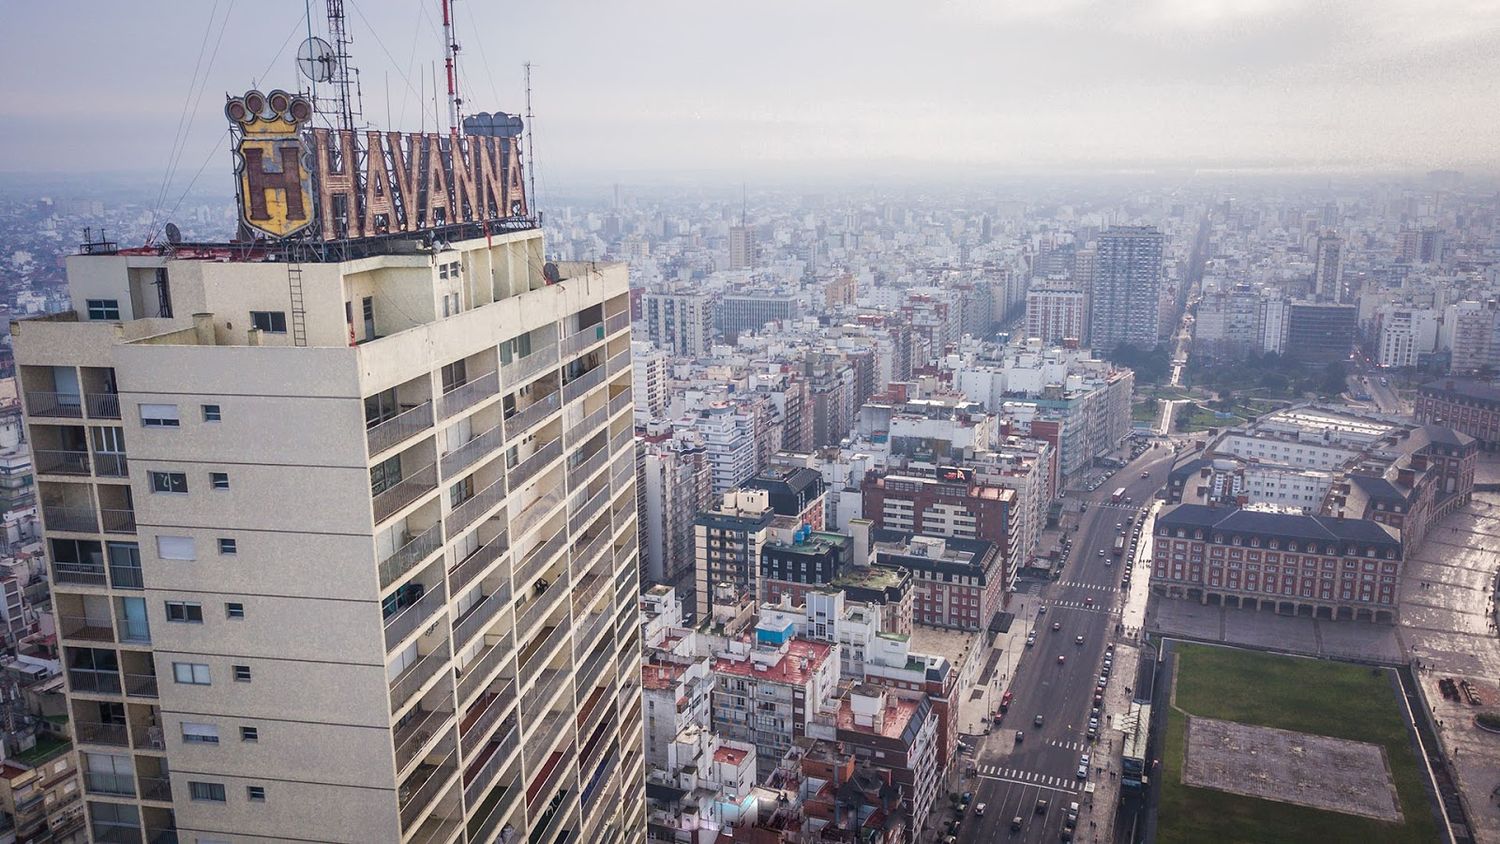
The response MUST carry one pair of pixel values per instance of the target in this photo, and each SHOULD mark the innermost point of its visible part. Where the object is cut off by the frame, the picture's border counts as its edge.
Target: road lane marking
(1072, 790)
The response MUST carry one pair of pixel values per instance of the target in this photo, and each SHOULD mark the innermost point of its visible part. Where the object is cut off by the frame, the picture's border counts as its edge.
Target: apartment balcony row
(586, 427)
(537, 699)
(415, 677)
(593, 709)
(617, 322)
(481, 615)
(403, 426)
(421, 727)
(466, 455)
(415, 616)
(587, 630)
(493, 809)
(491, 760)
(583, 339)
(478, 562)
(540, 559)
(523, 420)
(540, 458)
(475, 506)
(520, 370)
(619, 402)
(583, 383)
(52, 405)
(478, 726)
(413, 551)
(582, 510)
(579, 473)
(478, 673)
(537, 510)
(80, 463)
(542, 735)
(390, 500)
(591, 670)
(617, 363)
(542, 645)
(424, 785)
(470, 393)
(584, 560)
(541, 608)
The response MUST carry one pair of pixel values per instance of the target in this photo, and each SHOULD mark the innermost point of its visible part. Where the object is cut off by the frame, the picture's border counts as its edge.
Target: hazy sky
(624, 88)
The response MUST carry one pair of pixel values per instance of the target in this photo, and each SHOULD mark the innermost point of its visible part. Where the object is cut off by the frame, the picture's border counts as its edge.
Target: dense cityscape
(353, 490)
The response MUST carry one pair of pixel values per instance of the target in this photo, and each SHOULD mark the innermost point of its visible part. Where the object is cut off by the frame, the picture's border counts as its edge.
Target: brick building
(952, 504)
(1468, 406)
(958, 582)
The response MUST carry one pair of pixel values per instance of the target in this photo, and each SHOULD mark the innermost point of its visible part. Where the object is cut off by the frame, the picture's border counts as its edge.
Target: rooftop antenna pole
(450, 63)
(339, 34)
(530, 153)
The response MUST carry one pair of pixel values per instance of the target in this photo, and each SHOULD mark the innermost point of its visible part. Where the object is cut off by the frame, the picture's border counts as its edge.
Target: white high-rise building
(1055, 312)
(1126, 295)
(309, 588)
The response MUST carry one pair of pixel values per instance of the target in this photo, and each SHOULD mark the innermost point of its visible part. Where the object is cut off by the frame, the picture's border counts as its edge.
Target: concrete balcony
(467, 454)
(94, 681)
(622, 469)
(580, 473)
(622, 441)
(479, 725)
(416, 676)
(140, 685)
(582, 511)
(418, 733)
(520, 370)
(616, 364)
(619, 402)
(475, 506)
(480, 616)
(576, 388)
(416, 549)
(493, 810)
(582, 339)
(587, 634)
(117, 520)
(470, 393)
(415, 617)
(84, 629)
(537, 510)
(615, 323)
(70, 518)
(389, 501)
(478, 673)
(539, 697)
(399, 428)
(495, 758)
(61, 462)
(584, 429)
(103, 405)
(79, 574)
(111, 464)
(94, 732)
(534, 612)
(473, 566)
(529, 417)
(543, 646)
(539, 459)
(540, 559)
(425, 784)
(114, 785)
(55, 405)
(158, 789)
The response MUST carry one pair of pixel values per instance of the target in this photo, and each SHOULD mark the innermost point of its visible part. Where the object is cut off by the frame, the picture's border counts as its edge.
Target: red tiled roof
(661, 675)
(897, 713)
(788, 670)
(730, 755)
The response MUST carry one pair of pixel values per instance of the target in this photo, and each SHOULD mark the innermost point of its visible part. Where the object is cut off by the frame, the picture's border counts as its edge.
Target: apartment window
(191, 673)
(228, 546)
(385, 474)
(159, 416)
(241, 673)
(461, 491)
(212, 792)
(271, 322)
(455, 374)
(199, 733)
(185, 611)
(255, 793)
(234, 611)
(219, 480)
(250, 734)
(107, 309)
(173, 482)
(175, 548)
(211, 413)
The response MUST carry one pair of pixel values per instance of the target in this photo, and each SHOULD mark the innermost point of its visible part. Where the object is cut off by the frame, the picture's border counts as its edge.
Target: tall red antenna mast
(450, 62)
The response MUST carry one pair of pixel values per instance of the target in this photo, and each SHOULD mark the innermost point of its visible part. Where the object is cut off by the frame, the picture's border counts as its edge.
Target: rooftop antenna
(339, 71)
(531, 157)
(450, 63)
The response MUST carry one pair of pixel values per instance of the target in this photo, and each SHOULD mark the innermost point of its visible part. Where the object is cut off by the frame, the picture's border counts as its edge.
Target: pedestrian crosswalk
(1077, 605)
(1069, 745)
(1056, 783)
(1075, 584)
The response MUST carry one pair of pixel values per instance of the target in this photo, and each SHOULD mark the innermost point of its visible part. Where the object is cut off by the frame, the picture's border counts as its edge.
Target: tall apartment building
(314, 588)
(649, 382)
(727, 542)
(1406, 336)
(953, 504)
(1420, 246)
(679, 323)
(1320, 332)
(1126, 292)
(767, 693)
(741, 247)
(677, 485)
(1055, 312)
(750, 311)
(1328, 268)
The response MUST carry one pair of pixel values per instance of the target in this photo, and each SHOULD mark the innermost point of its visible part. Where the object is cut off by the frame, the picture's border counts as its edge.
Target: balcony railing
(520, 369)
(542, 735)
(422, 786)
(584, 560)
(408, 423)
(104, 405)
(60, 462)
(582, 339)
(414, 617)
(548, 682)
(465, 455)
(98, 782)
(508, 795)
(475, 506)
(118, 520)
(95, 732)
(55, 405)
(579, 474)
(480, 728)
(478, 672)
(622, 470)
(525, 419)
(481, 615)
(475, 564)
(94, 681)
(544, 604)
(621, 440)
(416, 675)
(111, 464)
(156, 788)
(618, 363)
(63, 517)
(580, 514)
(616, 322)
(540, 559)
(140, 685)
(106, 832)
(415, 550)
(588, 630)
(584, 429)
(470, 393)
(582, 384)
(84, 628)
(547, 645)
(619, 402)
(528, 468)
(504, 753)
(627, 547)
(417, 732)
(79, 574)
(390, 500)
(524, 521)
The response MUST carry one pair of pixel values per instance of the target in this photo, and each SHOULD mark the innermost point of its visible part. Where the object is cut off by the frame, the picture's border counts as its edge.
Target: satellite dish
(551, 273)
(174, 234)
(315, 59)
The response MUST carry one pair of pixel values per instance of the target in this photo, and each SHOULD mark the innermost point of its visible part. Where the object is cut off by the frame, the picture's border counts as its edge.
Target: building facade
(679, 323)
(1126, 291)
